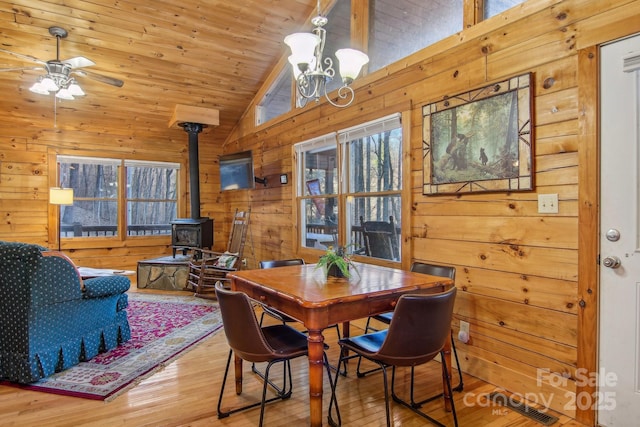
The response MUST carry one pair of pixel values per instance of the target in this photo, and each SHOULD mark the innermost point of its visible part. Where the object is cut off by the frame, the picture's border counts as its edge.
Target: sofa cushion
(105, 286)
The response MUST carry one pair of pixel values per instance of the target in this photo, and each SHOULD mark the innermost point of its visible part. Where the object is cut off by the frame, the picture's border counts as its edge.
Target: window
(353, 176)
(494, 7)
(338, 37)
(398, 28)
(150, 200)
(277, 100)
(318, 191)
(374, 169)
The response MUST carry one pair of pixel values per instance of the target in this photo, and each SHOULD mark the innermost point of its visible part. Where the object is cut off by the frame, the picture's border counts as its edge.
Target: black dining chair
(272, 312)
(266, 310)
(276, 314)
(418, 331)
(250, 342)
(424, 268)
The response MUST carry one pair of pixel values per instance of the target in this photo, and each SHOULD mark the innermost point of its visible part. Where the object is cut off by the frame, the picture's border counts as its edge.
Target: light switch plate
(547, 203)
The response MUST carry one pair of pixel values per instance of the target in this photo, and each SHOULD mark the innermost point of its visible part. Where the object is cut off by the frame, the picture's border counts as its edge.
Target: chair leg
(445, 373)
(343, 361)
(360, 373)
(224, 381)
(338, 331)
(264, 389)
(333, 399)
(414, 408)
(285, 391)
(368, 327)
(280, 391)
(386, 390)
(263, 401)
(459, 387)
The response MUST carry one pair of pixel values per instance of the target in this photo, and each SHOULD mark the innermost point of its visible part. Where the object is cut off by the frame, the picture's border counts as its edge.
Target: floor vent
(521, 408)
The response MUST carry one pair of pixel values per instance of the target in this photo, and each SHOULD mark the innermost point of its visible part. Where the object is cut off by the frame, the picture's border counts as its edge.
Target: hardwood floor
(185, 393)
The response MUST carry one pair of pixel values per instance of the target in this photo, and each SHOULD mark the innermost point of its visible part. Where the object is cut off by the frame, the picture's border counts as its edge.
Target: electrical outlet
(464, 326)
(244, 262)
(463, 333)
(547, 203)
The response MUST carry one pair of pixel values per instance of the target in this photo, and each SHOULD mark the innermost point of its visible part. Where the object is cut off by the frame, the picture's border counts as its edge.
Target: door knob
(611, 262)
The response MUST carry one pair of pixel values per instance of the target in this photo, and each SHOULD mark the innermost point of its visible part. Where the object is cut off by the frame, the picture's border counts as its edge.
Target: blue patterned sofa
(49, 321)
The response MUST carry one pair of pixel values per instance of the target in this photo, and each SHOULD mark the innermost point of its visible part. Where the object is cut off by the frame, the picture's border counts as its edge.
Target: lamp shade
(49, 84)
(39, 88)
(75, 89)
(296, 68)
(303, 48)
(61, 196)
(351, 62)
(64, 94)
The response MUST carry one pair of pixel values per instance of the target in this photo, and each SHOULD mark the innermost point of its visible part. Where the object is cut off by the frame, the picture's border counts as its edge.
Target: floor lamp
(60, 196)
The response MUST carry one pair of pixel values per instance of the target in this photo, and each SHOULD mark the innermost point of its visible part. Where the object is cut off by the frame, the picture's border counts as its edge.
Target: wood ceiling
(207, 53)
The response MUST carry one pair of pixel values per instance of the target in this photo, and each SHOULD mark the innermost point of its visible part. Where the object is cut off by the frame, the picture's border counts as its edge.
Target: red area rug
(162, 328)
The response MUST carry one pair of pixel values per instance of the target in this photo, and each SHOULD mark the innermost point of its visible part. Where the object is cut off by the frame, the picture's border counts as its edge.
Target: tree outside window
(367, 193)
(150, 198)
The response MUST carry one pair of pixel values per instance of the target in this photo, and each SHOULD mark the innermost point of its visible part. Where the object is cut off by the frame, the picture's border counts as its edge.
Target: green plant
(336, 258)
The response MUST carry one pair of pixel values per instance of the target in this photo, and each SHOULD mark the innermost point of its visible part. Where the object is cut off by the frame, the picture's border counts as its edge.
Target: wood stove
(194, 232)
(191, 233)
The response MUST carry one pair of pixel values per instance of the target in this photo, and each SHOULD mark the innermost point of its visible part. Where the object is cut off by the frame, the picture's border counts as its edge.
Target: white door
(619, 357)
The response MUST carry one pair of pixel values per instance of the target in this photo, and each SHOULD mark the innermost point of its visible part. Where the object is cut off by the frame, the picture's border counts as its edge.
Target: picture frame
(480, 141)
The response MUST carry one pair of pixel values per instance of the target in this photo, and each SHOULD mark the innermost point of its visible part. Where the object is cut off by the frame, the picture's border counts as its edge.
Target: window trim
(408, 167)
(120, 241)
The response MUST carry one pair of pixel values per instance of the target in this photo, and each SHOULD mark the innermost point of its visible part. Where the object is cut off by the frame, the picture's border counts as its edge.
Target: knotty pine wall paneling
(522, 276)
(518, 271)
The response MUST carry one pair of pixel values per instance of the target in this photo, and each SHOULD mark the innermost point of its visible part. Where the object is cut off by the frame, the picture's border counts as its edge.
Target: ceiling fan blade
(79, 62)
(20, 69)
(99, 77)
(21, 56)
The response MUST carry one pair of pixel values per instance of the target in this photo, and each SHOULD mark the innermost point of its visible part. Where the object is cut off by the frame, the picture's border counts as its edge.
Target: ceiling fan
(59, 78)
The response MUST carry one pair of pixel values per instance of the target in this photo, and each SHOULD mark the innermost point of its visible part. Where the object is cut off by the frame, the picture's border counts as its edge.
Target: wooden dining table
(305, 293)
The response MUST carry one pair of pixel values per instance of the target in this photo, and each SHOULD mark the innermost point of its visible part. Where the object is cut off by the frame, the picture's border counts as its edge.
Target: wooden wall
(28, 169)
(519, 271)
(524, 276)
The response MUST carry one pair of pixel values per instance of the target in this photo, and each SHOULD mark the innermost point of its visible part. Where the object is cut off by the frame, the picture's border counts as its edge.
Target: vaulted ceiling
(208, 53)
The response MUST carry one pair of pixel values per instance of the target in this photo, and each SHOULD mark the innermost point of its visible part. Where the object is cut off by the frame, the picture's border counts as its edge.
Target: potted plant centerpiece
(336, 262)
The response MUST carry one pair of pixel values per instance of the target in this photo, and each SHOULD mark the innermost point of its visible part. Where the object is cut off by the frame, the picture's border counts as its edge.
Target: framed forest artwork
(479, 141)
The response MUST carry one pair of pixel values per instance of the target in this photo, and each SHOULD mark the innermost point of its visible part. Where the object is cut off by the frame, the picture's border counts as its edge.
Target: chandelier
(312, 73)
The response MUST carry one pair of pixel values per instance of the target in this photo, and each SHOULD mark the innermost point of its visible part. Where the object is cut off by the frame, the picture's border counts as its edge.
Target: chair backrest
(241, 327)
(381, 239)
(434, 269)
(281, 262)
(238, 234)
(420, 326)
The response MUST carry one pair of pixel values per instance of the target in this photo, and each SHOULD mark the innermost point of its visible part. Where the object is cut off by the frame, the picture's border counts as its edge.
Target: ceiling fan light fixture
(49, 84)
(75, 89)
(39, 88)
(57, 79)
(64, 94)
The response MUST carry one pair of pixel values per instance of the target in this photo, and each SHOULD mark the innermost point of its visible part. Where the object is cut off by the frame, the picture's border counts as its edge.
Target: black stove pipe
(193, 129)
